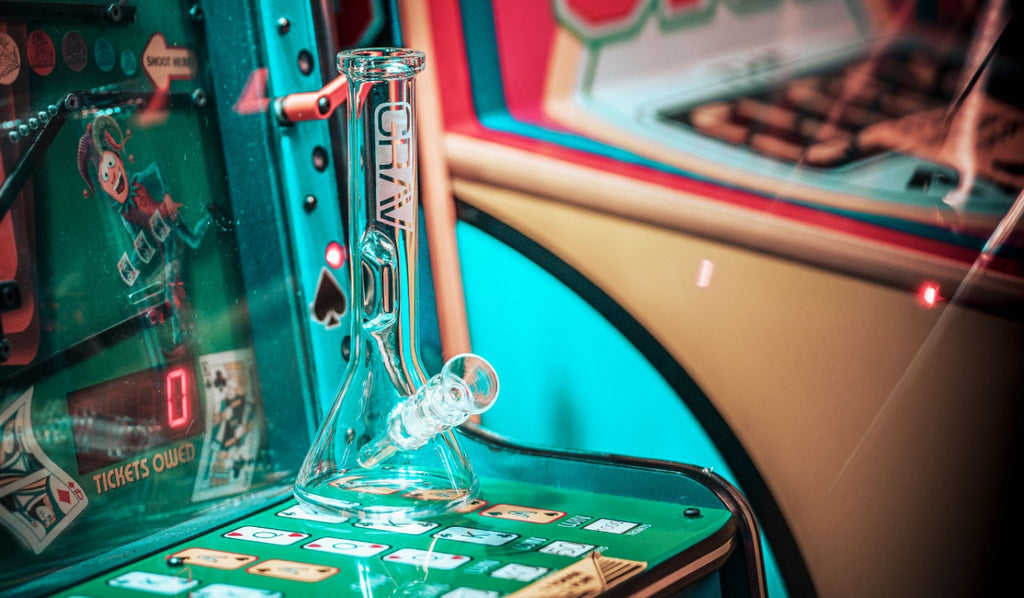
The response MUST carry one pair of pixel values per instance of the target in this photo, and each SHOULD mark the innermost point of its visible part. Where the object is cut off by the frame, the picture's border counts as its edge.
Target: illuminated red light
(928, 294)
(178, 404)
(335, 255)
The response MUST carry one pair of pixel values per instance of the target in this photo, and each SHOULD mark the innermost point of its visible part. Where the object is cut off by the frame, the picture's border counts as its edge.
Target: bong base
(386, 494)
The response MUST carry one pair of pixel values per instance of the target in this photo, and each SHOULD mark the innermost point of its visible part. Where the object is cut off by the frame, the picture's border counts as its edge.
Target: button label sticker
(521, 513)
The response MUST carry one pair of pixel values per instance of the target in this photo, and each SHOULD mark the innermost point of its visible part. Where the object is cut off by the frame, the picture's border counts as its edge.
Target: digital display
(118, 419)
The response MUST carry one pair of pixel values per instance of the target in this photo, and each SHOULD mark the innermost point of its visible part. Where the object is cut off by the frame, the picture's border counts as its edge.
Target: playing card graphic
(40, 510)
(292, 570)
(144, 250)
(428, 559)
(412, 528)
(301, 511)
(153, 583)
(38, 499)
(217, 559)
(128, 272)
(521, 513)
(435, 494)
(347, 547)
(233, 410)
(476, 535)
(16, 460)
(266, 535)
(223, 590)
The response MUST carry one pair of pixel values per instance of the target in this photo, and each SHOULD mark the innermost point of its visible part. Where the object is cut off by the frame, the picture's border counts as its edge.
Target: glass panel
(134, 401)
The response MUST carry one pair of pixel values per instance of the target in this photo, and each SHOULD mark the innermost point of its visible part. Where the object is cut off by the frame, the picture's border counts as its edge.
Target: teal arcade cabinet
(181, 298)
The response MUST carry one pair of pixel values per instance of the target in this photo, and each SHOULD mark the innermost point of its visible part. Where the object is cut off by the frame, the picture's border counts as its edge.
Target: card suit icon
(329, 302)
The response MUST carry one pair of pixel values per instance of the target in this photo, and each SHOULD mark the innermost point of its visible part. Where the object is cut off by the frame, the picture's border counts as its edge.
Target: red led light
(177, 398)
(335, 255)
(928, 294)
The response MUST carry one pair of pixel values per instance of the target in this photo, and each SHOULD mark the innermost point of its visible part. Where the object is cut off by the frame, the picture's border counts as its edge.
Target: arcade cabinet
(175, 316)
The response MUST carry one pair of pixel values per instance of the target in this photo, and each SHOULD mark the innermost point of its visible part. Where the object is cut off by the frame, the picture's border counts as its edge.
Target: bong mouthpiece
(467, 385)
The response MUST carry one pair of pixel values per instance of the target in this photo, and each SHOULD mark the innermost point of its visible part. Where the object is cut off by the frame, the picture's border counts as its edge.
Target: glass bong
(386, 450)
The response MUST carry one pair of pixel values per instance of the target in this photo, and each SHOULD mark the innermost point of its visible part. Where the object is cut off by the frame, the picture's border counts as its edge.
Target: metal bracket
(312, 105)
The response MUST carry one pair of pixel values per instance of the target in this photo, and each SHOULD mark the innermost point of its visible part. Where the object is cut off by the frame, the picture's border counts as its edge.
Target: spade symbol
(329, 302)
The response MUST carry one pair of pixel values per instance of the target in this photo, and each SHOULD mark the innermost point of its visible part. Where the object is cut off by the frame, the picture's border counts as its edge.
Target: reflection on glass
(374, 407)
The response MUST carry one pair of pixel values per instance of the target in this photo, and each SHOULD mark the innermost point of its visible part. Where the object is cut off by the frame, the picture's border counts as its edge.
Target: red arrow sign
(163, 63)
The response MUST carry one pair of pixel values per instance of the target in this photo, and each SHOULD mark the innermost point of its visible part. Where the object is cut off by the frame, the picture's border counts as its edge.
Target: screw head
(9, 296)
(199, 98)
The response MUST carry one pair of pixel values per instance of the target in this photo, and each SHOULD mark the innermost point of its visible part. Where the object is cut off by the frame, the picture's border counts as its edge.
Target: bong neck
(384, 210)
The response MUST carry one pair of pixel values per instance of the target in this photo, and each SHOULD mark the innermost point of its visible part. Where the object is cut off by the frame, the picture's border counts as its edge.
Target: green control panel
(514, 539)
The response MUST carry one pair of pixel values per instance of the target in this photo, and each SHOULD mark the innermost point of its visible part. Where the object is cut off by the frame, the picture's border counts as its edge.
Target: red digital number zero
(178, 404)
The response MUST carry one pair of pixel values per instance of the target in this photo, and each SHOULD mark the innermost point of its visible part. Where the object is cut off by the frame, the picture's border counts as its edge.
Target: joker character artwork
(146, 209)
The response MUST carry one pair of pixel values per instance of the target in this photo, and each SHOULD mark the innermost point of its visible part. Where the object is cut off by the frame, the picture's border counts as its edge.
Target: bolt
(283, 25)
(199, 98)
(9, 298)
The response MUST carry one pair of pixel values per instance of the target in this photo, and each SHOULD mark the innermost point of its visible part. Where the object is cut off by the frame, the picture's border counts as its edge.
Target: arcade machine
(803, 217)
(181, 297)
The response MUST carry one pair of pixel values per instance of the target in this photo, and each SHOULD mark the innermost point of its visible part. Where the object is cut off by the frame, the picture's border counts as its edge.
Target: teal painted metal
(569, 378)
(288, 54)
